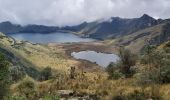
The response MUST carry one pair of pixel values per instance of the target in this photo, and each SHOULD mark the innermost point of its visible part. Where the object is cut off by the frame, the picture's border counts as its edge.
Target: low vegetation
(133, 77)
(46, 74)
(124, 67)
(152, 69)
(4, 77)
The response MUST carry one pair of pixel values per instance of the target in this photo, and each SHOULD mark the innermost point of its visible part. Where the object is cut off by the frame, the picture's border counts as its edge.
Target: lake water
(101, 59)
(49, 37)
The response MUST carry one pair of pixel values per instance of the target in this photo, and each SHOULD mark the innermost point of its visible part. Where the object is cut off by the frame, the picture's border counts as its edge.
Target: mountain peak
(145, 16)
(6, 22)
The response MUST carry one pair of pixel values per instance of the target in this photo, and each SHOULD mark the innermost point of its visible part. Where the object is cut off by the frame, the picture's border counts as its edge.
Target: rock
(72, 95)
(149, 99)
(65, 93)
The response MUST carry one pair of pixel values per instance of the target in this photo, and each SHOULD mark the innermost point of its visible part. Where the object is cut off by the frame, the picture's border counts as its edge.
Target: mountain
(95, 29)
(75, 28)
(117, 27)
(113, 28)
(8, 27)
(38, 29)
(137, 41)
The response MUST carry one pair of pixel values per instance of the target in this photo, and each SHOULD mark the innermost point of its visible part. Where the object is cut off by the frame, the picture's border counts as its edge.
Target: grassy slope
(41, 56)
(136, 41)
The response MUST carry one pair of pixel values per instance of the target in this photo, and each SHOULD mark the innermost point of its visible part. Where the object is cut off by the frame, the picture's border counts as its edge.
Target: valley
(90, 81)
(132, 33)
(43, 56)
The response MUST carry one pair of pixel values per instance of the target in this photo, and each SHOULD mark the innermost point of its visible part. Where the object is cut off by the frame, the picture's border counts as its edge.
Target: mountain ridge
(113, 28)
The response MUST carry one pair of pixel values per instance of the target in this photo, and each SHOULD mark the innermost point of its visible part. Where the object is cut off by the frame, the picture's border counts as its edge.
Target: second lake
(102, 59)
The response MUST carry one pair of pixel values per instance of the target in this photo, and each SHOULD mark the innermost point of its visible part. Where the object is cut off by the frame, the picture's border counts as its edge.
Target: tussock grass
(40, 56)
(96, 83)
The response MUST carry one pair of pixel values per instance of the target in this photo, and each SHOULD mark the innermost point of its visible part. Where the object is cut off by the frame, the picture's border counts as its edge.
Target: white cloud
(71, 12)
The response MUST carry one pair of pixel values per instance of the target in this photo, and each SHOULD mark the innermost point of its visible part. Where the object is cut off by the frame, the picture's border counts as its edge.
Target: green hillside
(32, 57)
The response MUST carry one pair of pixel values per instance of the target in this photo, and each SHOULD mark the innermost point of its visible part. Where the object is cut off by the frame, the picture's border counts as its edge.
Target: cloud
(72, 12)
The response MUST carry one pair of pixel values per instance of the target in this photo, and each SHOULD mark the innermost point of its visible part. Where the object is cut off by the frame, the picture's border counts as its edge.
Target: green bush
(116, 75)
(114, 71)
(157, 66)
(4, 76)
(127, 61)
(111, 68)
(46, 74)
(51, 97)
(165, 74)
(148, 77)
(125, 65)
(17, 73)
(28, 88)
(15, 98)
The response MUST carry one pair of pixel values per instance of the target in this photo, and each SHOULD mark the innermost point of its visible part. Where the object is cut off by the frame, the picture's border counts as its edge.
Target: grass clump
(149, 93)
(27, 88)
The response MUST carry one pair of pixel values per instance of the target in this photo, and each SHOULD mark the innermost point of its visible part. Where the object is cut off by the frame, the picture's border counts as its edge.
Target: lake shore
(98, 46)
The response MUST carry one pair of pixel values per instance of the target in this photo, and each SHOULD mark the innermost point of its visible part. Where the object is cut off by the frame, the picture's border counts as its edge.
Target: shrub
(46, 74)
(116, 75)
(15, 98)
(114, 71)
(157, 65)
(4, 76)
(51, 97)
(165, 75)
(111, 68)
(152, 94)
(28, 88)
(72, 73)
(16, 73)
(131, 96)
(127, 61)
(125, 65)
(147, 77)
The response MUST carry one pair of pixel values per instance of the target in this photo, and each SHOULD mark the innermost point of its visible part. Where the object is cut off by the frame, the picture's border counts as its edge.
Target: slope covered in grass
(137, 41)
(34, 56)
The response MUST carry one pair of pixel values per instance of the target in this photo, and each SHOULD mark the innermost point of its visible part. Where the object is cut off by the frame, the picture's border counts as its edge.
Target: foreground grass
(98, 84)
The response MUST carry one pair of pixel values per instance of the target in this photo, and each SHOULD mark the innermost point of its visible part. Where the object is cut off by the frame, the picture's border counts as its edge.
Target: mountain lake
(44, 38)
(102, 59)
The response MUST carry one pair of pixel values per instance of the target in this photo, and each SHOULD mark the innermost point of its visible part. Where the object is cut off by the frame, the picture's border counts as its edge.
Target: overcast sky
(71, 12)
